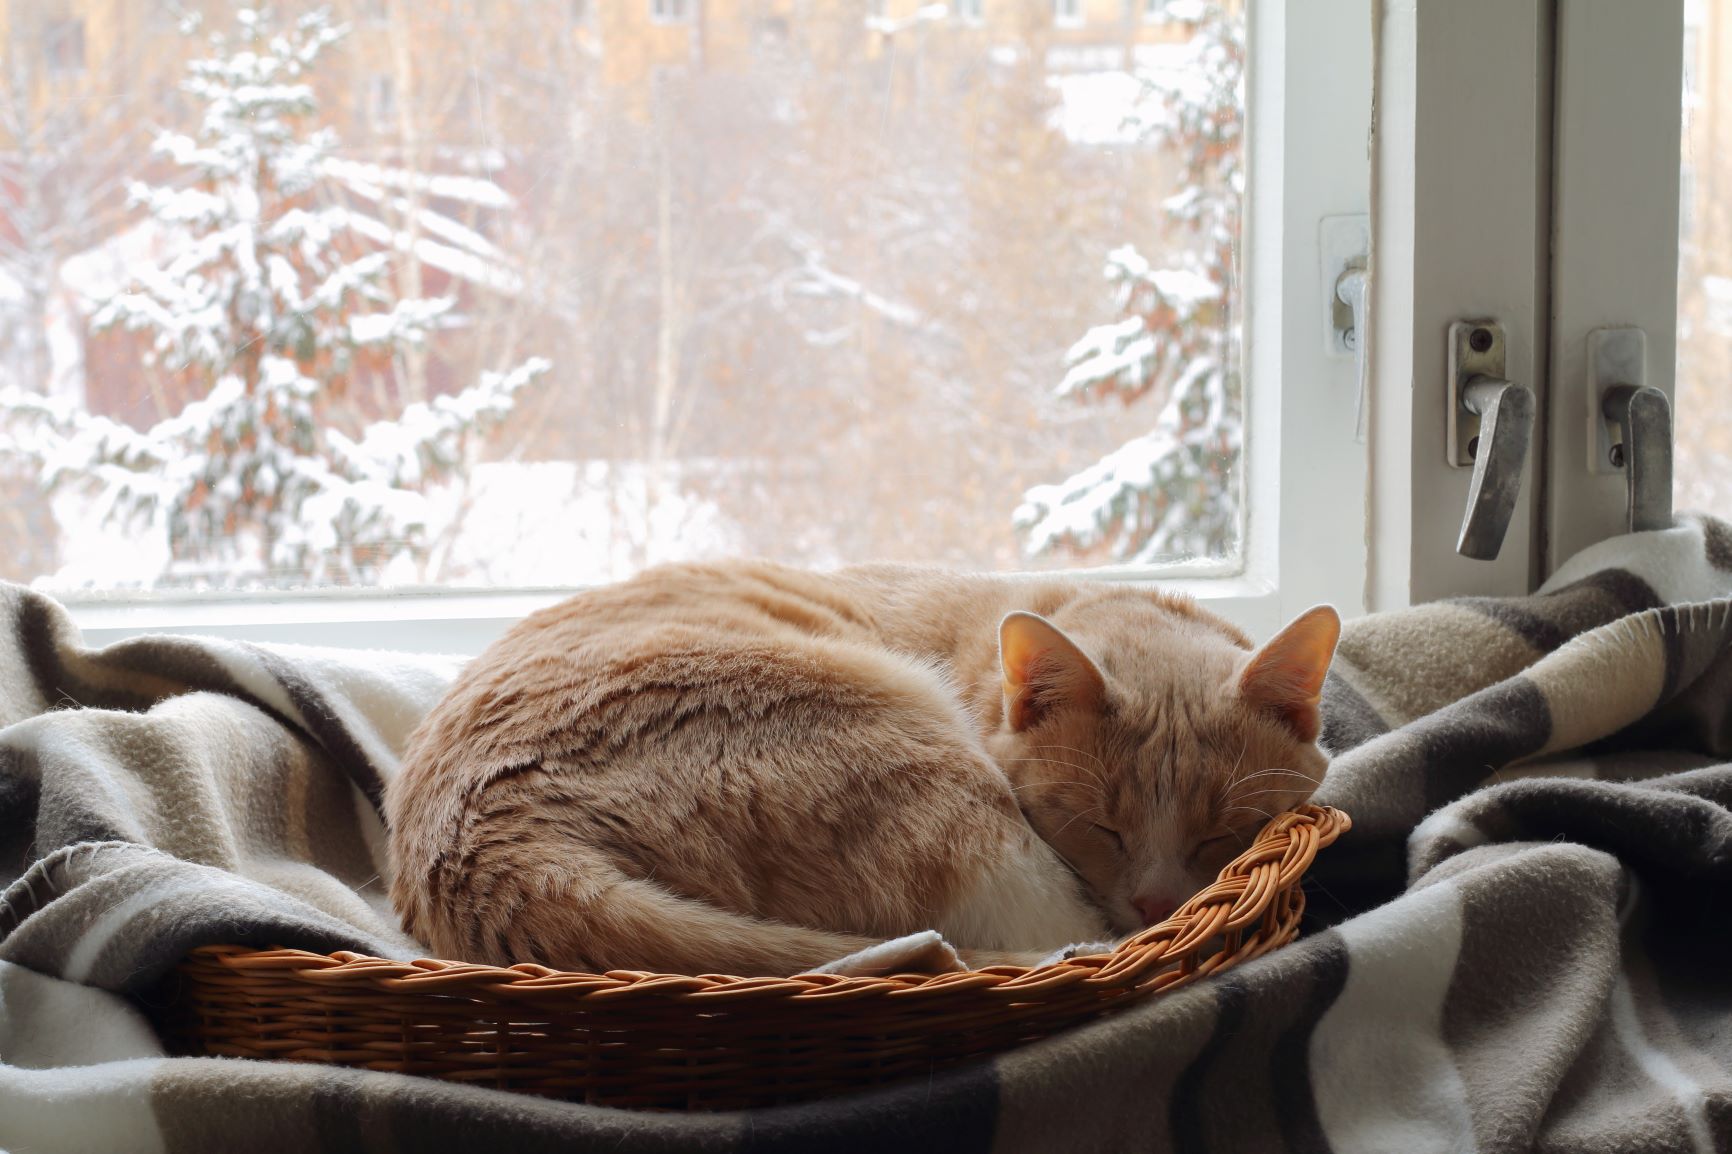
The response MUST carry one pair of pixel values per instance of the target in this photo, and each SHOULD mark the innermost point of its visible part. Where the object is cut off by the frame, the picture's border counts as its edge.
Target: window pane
(1702, 471)
(509, 294)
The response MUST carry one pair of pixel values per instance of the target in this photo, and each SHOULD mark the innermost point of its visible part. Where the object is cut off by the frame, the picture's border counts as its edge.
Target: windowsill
(465, 622)
(419, 621)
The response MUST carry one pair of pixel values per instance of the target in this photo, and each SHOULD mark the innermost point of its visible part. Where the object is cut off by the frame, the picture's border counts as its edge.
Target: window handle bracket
(1345, 247)
(1490, 428)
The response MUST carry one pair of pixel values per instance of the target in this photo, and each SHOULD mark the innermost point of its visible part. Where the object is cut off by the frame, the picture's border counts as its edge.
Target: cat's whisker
(1225, 787)
(1270, 772)
(1073, 749)
(1066, 861)
(1098, 771)
(1259, 792)
(1095, 779)
(1095, 774)
(1264, 814)
(1095, 809)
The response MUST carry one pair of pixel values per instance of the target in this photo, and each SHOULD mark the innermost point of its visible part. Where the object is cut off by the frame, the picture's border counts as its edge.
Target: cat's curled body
(745, 768)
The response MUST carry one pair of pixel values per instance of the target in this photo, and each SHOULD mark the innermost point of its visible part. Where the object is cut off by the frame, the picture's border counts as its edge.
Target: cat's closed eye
(1223, 845)
(1111, 835)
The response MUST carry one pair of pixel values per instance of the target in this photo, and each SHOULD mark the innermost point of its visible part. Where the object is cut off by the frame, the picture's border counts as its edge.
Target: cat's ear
(1285, 677)
(1043, 671)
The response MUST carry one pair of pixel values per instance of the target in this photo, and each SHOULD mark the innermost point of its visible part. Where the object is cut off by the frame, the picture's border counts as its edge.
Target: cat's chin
(1122, 919)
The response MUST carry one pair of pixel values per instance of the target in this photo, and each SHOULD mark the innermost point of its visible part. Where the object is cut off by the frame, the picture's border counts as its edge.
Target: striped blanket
(1525, 942)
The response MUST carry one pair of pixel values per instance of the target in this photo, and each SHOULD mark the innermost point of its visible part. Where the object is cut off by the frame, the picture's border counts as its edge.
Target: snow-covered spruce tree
(275, 298)
(1173, 492)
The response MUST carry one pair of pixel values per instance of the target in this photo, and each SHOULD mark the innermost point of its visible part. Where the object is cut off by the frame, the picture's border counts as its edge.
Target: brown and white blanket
(1525, 942)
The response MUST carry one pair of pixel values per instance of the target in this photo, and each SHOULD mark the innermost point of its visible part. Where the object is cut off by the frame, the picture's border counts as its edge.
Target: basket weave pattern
(627, 1038)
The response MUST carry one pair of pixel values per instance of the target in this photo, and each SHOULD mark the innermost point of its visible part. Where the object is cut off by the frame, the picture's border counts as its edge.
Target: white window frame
(1614, 238)
(1305, 471)
(1453, 239)
(1309, 94)
(1515, 184)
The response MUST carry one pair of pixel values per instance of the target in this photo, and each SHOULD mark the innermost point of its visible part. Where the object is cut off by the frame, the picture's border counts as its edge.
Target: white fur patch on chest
(1027, 899)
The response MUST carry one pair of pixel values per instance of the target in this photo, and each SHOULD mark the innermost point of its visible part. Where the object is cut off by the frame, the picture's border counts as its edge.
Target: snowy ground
(514, 524)
(566, 523)
(1099, 108)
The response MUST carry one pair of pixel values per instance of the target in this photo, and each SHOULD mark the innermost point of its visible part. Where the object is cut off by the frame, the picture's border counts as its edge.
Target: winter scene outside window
(1702, 471)
(818, 283)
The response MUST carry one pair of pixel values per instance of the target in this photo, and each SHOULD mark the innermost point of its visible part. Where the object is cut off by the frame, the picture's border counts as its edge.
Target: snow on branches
(1173, 492)
(275, 299)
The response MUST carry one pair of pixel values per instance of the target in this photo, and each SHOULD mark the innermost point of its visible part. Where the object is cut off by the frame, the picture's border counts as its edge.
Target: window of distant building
(970, 11)
(382, 101)
(1154, 10)
(63, 46)
(1068, 12)
(671, 11)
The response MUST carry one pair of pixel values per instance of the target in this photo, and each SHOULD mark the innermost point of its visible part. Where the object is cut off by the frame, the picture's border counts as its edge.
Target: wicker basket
(708, 1042)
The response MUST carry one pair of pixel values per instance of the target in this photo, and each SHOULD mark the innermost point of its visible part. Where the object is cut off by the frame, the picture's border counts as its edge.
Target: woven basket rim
(1273, 864)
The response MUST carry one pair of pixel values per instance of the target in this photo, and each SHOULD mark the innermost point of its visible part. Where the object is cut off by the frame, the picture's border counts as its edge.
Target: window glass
(1702, 468)
(480, 294)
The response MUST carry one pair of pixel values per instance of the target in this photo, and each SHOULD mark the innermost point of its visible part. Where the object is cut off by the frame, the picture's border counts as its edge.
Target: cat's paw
(1078, 950)
(923, 953)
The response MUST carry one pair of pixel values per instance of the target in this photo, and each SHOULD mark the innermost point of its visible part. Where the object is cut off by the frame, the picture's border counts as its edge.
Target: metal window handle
(1500, 453)
(1630, 425)
(1491, 426)
(1641, 420)
(1344, 249)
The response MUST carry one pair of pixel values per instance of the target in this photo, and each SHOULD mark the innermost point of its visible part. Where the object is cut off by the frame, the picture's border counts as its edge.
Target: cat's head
(1149, 748)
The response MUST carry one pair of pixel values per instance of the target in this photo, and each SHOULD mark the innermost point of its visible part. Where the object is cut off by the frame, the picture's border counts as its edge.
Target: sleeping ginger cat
(750, 769)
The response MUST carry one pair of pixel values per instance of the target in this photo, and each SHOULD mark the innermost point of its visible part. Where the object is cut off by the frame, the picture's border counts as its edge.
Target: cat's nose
(1154, 910)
